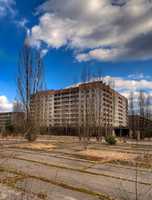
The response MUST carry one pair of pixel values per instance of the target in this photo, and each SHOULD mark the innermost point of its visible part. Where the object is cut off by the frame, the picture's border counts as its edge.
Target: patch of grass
(11, 182)
(35, 146)
(131, 163)
(87, 157)
(104, 156)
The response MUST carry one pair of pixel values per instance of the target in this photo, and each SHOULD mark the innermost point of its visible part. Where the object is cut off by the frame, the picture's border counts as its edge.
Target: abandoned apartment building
(92, 104)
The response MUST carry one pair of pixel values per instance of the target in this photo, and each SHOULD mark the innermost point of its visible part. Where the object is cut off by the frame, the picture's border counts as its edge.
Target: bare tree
(90, 110)
(84, 108)
(98, 104)
(148, 116)
(141, 108)
(132, 114)
(148, 109)
(30, 79)
(137, 115)
(18, 117)
(17, 106)
(90, 122)
(111, 84)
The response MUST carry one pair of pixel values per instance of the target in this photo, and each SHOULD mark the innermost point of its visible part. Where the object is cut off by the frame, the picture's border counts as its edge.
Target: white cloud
(7, 8)
(5, 104)
(127, 85)
(139, 76)
(98, 29)
(52, 30)
(44, 52)
(100, 54)
(22, 23)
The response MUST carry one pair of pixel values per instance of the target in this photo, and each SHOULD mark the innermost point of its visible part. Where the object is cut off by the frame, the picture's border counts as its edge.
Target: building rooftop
(77, 86)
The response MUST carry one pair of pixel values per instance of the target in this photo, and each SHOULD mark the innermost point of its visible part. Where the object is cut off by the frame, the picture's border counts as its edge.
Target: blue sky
(75, 34)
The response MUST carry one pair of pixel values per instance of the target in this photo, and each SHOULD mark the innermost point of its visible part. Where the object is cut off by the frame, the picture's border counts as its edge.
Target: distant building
(11, 118)
(140, 124)
(89, 104)
(5, 118)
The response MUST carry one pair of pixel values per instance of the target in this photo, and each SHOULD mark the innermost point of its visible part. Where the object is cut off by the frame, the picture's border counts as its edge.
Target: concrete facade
(89, 104)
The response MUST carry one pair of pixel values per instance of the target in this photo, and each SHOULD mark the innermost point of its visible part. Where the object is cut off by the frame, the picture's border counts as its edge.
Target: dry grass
(106, 156)
(36, 146)
(145, 160)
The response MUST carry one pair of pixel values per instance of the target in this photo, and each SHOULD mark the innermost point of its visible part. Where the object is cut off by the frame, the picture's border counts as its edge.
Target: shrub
(30, 135)
(111, 140)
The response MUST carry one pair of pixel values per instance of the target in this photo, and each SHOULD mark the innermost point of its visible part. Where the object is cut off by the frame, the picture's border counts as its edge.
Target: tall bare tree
(98, 105)
(111, 84)
(148, 109)
(17, 106)
(132, 113)
(141, 108)
(30, 78)
(91, 108)
(18, 117)
(84, 108)
(148, 116)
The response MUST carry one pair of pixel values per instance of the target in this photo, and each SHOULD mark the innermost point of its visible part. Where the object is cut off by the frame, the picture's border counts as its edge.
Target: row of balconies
(66, 97)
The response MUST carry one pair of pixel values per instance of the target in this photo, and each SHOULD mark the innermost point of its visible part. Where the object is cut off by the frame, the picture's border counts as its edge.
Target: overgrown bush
(31, 135)
(111, 140)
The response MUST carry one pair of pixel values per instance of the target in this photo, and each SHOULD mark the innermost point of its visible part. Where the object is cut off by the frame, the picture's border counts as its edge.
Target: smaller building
(5, 118)
(14, 119)
(140, 124)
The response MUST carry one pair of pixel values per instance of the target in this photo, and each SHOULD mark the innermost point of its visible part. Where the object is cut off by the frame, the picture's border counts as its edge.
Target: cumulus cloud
(97, 29)
(125, 85)
(130, 84)
(7, 8)
(5, 104)
(100, 54)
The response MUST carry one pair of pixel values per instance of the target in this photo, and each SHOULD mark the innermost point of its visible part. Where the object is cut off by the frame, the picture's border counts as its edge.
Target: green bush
(111, 140)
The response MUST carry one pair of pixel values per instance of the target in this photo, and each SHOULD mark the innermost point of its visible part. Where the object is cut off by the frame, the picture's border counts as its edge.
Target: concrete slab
(52, 192)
